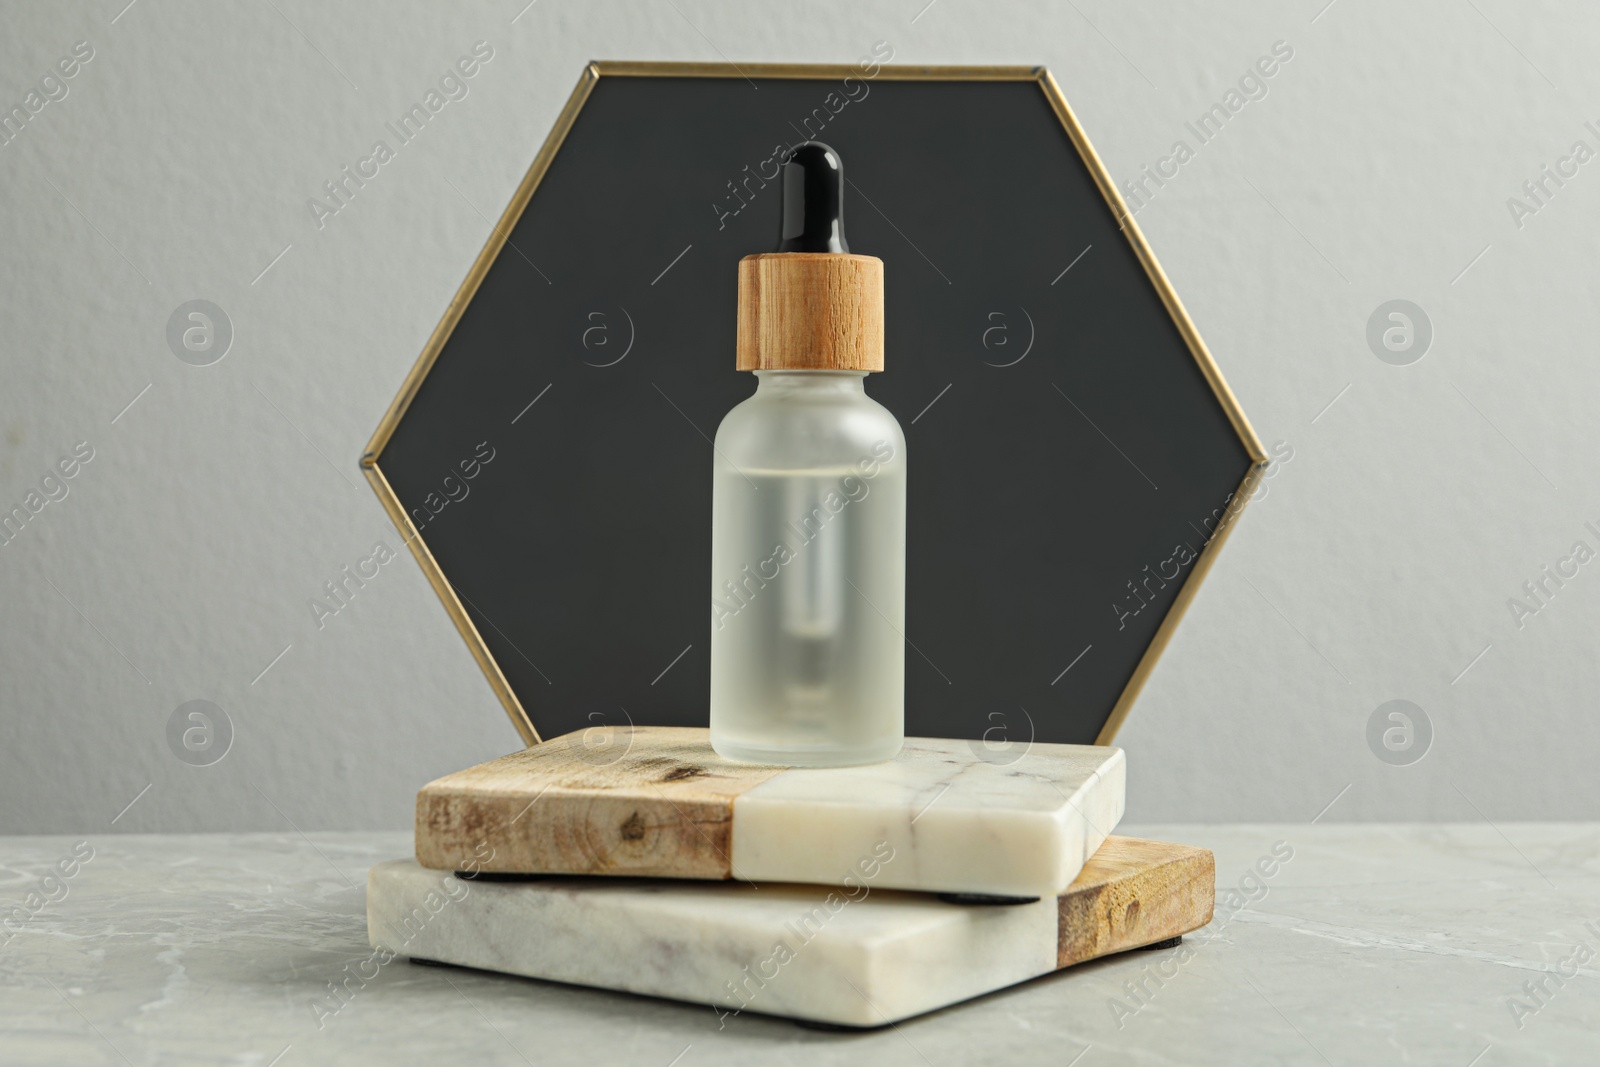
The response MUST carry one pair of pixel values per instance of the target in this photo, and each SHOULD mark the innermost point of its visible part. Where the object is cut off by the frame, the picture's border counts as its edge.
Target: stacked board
(638, 860)
(851, 956)
(658, 802)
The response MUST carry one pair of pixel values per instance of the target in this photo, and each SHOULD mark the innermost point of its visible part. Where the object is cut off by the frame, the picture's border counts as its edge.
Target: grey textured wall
(1410, 505)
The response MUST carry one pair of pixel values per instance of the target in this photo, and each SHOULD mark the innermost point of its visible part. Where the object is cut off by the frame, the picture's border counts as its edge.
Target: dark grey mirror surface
(1068, 458)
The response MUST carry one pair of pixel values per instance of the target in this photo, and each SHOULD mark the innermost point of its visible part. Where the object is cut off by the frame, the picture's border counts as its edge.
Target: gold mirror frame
(530, 182)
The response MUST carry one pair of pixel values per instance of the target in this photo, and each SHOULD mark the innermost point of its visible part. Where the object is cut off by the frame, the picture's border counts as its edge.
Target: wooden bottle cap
(810, 311)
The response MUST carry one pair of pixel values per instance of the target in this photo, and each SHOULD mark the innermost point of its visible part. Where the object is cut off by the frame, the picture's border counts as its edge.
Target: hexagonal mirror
(1075, 458)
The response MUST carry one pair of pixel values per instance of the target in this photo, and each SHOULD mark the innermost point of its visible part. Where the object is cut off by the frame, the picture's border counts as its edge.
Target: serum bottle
(809, 503)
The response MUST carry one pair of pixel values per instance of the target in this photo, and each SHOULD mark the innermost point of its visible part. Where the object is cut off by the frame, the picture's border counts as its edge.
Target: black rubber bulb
(813, 200)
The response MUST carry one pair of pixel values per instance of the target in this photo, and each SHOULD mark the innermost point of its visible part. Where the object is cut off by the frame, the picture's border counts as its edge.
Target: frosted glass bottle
(808, 574)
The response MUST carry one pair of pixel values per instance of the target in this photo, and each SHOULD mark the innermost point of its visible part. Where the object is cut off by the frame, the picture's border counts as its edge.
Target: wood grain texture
(654, 802)
(810, 311)
(1131, 893)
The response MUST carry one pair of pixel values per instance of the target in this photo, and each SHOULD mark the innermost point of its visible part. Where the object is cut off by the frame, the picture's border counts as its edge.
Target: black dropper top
(813, 200)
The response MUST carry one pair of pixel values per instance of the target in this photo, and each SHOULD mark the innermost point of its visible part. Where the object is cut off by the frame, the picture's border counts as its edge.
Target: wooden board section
(800, 951)
(1132, 893)
(648, 801)
(942, 816)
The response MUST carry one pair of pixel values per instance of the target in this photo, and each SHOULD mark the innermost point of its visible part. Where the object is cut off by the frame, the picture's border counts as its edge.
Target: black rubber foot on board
(1171, 942)
(980, 899)
(834, 1028)
(499, 876)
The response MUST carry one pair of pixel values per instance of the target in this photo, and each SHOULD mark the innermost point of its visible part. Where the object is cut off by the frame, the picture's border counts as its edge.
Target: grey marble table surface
(1332, 944)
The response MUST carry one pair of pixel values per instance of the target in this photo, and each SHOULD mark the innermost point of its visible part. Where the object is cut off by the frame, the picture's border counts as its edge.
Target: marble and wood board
(658, 802)
(863, 956)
